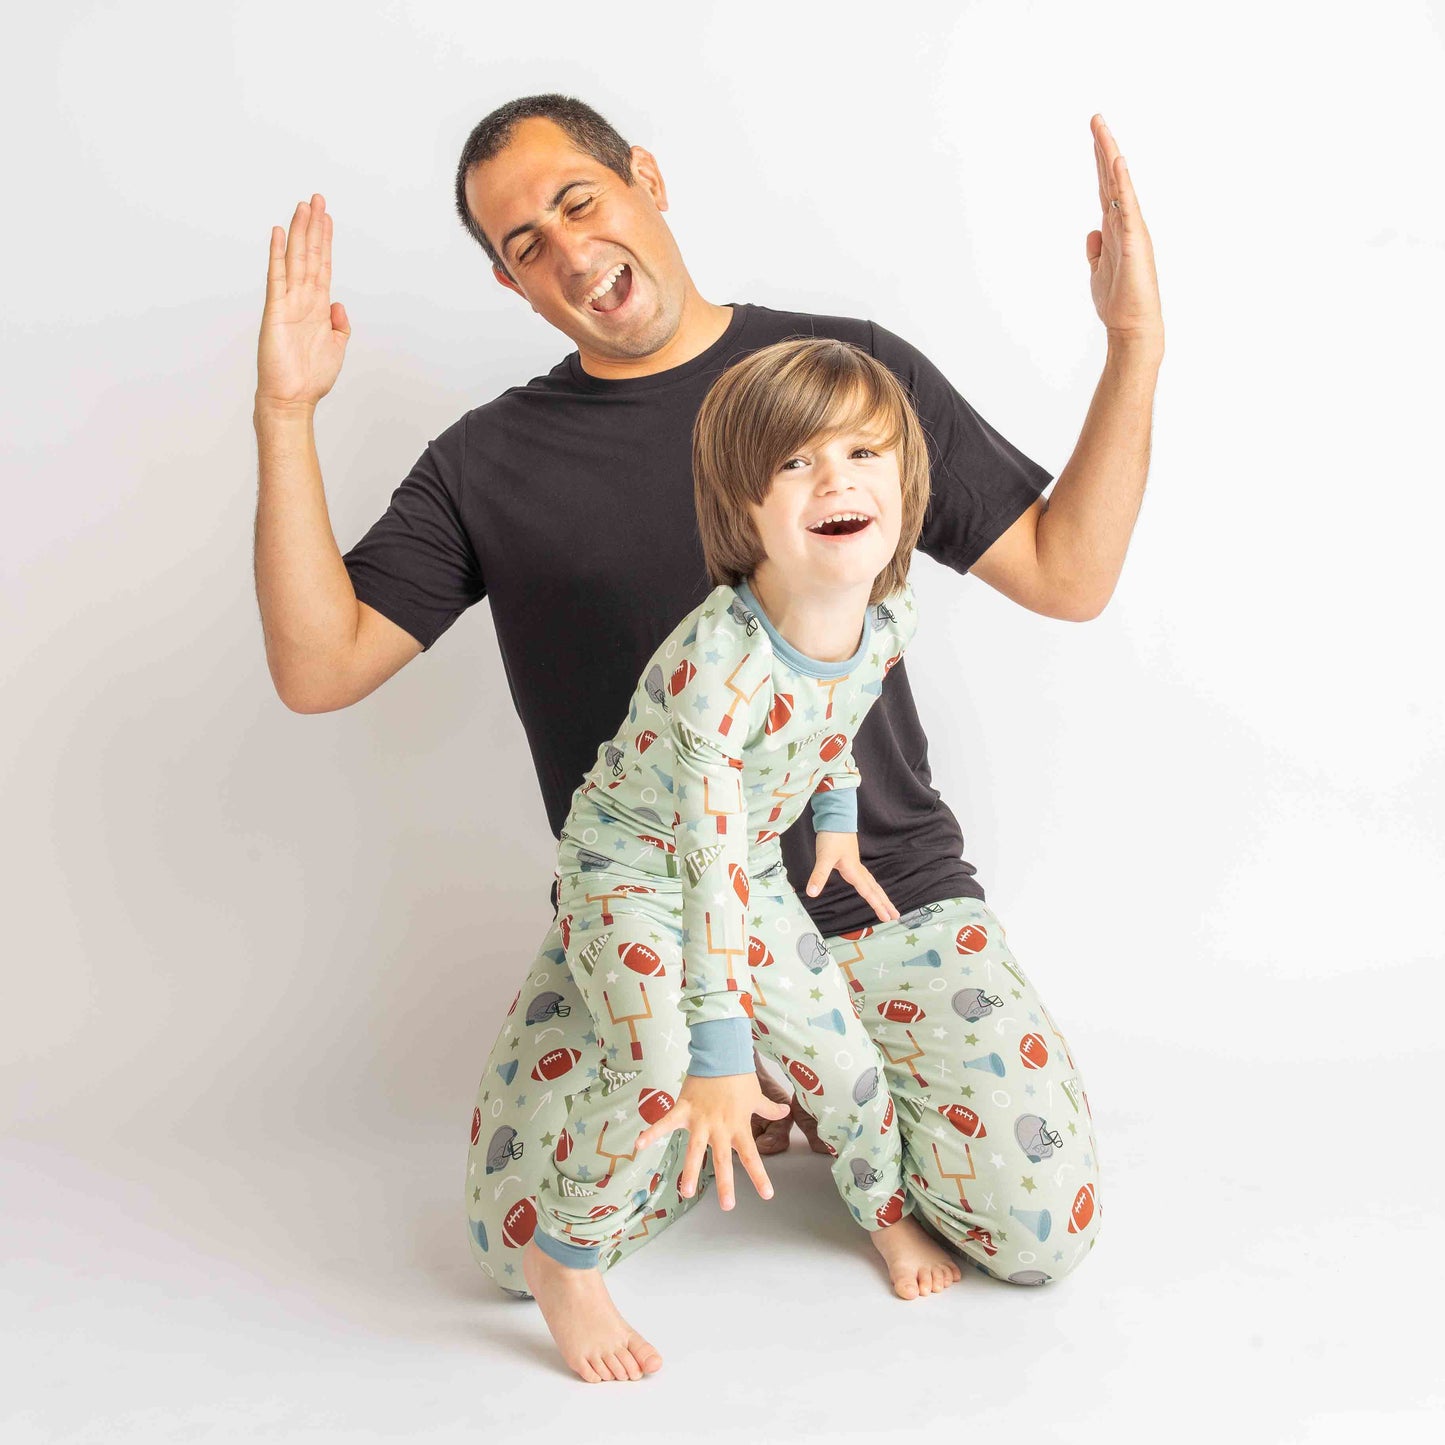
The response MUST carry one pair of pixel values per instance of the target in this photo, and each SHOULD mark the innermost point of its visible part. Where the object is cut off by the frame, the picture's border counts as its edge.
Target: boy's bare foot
(592, 1337)
(917, 1263)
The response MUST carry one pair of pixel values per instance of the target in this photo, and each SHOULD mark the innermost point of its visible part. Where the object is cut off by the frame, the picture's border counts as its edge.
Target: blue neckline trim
(809, 666)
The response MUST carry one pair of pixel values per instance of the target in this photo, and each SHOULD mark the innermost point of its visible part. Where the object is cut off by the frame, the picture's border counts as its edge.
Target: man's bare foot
(592, 1337)
(771, 1135)
(917, 1263)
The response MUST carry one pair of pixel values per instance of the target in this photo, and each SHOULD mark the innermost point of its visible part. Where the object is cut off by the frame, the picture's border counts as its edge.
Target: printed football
(554, 1063)
(519, 1224)
(641, 959)
(832, 747)
(682, 674)
(652, 1104)
(901, 1010)
(971, 939)
(781, 712)
(1033, 1051)
(963, 1119)
(805, 1076)
(738, 877)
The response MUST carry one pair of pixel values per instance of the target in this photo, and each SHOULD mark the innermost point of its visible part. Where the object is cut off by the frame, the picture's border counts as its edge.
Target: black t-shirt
(568, 503)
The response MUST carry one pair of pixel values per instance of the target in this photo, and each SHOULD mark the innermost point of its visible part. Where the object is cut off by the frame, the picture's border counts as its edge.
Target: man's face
(566, 227)
(848, 473)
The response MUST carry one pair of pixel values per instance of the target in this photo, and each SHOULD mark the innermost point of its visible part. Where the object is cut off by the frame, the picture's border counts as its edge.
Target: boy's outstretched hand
(840, 851)
(718, 1112)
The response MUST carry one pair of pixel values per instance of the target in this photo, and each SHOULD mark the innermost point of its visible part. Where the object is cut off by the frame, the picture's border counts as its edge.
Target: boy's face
(847, 476)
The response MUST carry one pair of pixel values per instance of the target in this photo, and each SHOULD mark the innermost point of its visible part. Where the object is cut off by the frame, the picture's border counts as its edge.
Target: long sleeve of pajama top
(751, 732)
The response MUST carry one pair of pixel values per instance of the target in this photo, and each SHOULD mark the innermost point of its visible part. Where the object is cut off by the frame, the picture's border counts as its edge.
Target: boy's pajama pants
(976, 1121)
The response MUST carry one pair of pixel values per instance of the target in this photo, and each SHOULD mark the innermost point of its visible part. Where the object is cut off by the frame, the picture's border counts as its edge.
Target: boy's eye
(788, 465)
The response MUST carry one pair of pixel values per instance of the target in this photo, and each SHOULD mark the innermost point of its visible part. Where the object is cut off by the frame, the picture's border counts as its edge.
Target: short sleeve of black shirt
(980, 482)
(416, 565)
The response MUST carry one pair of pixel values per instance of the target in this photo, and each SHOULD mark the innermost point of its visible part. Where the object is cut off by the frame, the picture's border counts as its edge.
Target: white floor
(324, 1291)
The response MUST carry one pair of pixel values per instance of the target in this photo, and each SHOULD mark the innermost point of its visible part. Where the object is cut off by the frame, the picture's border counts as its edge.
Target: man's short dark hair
(587, 130)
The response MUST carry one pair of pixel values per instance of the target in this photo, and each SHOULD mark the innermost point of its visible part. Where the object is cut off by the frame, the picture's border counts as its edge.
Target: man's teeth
(841, 517)
(605, 284)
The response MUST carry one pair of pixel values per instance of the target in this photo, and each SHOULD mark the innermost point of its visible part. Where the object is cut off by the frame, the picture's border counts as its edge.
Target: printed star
(591, 1073)
(1072, 1128)
(763, 772)
(971, 1040)
(1033, 1017)
(1029, 1184)
(967, 1091)
(611, 977)
(700, 703)
(1030, 1090)
(510, 1269)
(967, 969)
(911, 940)
(1058, 1255)
(811, 713)
(904, 987)
(620, 1115)
(757, 922)
(713, 655)
(584, 1171)
(1015, 993)
(548, 1140)
(873, 660)
(472, 1169)
(581, 1126)
(521, 1100)
(476, 1195)
(786, 983)
(589, 1037)
(515, 1042)
(810, 1052)
(940, 1033)
(815, 993)
(655, 937)
(996, 1160)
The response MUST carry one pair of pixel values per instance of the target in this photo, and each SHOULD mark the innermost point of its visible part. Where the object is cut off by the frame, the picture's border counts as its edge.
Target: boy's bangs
(864, 407)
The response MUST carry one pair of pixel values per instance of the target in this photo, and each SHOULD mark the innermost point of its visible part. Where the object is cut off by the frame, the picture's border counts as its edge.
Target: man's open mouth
(844, 524)
(612, 290)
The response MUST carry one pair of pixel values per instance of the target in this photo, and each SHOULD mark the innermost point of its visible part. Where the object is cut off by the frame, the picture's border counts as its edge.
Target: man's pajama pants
(979, 1104)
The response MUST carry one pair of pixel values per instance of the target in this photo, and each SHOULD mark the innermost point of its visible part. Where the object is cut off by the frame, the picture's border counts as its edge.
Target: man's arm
(325, 649)
(1063, 556)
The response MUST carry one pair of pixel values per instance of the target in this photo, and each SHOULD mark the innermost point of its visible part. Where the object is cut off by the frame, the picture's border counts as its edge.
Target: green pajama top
(730, 733)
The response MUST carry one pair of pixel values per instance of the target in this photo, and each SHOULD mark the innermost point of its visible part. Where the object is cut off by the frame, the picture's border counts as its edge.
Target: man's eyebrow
(532, 225)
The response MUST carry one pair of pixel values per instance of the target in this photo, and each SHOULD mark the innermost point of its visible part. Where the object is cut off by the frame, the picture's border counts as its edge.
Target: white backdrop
(256, 959)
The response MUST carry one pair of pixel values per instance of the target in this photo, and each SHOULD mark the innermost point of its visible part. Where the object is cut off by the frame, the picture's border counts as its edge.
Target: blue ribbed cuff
(836, 811)
(574, 1256)
(720, 1047)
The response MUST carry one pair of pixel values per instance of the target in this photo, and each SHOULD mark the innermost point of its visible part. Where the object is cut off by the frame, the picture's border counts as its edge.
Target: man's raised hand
(303, 332)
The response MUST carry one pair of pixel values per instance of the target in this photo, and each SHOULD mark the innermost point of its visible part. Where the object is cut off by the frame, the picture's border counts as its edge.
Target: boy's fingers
(819, 878)
(722, 1168)
(692, 1164)
(752, 1162)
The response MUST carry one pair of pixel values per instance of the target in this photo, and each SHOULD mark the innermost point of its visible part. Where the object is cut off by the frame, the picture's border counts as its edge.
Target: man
(571, 497)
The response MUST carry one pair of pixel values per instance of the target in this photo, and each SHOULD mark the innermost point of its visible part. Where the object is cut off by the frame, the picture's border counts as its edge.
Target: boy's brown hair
(762, 409)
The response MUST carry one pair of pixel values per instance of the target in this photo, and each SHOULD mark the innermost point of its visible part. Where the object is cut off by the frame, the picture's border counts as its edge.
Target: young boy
(679, 925)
